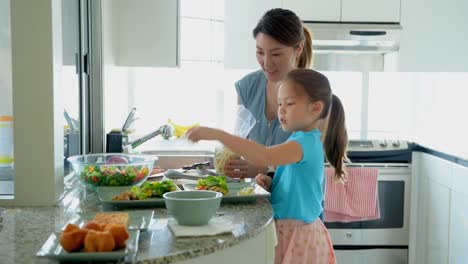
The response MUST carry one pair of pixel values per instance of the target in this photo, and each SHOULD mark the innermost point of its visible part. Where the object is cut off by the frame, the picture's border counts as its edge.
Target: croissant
(94, 226)
(119, 232)
(72, 237)
(99, 241)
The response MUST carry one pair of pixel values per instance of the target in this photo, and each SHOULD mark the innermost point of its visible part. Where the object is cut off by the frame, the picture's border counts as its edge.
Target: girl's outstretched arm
(286, 153)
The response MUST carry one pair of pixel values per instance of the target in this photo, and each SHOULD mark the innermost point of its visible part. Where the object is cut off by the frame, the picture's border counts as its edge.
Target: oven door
(392, 227)
(372, 256)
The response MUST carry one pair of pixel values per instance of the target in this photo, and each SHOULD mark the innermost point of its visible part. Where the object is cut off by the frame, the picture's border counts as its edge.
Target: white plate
(234, 188)
(139, 219)
(53, 250)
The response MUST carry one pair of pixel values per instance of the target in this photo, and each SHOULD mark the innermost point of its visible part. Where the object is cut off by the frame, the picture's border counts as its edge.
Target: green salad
(153, 189)
(213, 183)
(113, 175)
(147, 190)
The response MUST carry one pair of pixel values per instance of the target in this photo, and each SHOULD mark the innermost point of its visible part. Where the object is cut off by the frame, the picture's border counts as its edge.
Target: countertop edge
(452, 158)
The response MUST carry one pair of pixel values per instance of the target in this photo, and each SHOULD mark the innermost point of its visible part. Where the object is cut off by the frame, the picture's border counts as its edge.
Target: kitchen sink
(177, 159)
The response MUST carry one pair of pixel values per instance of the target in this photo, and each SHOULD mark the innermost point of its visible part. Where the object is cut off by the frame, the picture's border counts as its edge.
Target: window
(70, 81)
(348, 87)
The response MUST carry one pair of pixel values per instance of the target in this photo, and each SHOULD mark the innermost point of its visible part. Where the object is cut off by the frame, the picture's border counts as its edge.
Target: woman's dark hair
(317, 87)
(286, 27)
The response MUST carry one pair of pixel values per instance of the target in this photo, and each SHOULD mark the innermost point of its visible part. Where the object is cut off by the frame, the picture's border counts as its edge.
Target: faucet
(165, 131)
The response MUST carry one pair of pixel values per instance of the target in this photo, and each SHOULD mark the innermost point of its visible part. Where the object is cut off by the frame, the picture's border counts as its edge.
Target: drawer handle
(349, 235)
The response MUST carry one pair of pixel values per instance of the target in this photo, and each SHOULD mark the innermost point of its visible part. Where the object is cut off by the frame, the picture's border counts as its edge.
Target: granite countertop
(23, 230)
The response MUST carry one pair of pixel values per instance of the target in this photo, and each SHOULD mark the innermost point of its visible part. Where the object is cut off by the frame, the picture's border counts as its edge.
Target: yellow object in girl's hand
(180, 130)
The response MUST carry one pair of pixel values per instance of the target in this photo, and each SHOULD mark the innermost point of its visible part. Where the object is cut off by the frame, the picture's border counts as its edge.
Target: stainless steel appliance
(384, 240)
(355, 47)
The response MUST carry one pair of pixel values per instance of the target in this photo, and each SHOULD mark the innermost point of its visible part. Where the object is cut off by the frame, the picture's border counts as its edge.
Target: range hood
(354, 38)
(355, 47)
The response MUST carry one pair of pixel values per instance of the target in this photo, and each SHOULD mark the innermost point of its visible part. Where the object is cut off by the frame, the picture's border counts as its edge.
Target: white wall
(441, 112)
(36, 67)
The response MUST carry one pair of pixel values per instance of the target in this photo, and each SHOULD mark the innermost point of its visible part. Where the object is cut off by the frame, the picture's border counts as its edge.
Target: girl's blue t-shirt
(297, 189)
(251, 91)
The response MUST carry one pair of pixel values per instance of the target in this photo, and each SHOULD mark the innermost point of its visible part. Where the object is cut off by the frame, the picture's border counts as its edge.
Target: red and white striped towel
(355, 200)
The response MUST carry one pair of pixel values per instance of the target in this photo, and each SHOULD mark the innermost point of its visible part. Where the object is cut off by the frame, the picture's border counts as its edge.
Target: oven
(384, 240)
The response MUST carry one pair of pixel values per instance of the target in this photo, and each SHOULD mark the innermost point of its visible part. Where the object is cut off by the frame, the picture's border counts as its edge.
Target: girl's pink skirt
(303, 243)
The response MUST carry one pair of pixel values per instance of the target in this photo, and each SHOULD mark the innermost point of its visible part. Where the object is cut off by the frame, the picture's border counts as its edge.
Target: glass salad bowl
(112, 169)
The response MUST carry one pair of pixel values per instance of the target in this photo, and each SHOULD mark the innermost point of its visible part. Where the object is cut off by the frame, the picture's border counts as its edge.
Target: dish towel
(217, 225)
(355, 200)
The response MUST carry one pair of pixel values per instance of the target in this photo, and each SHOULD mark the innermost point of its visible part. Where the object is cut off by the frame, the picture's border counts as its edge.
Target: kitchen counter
(23, 230)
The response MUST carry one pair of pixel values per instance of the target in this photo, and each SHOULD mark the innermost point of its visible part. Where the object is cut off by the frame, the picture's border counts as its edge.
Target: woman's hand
(264, 181)
(236, 168)
(198, 133)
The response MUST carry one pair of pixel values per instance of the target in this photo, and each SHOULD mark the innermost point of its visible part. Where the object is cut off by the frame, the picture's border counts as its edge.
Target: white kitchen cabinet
(387, 11)
(258, 249)
(370, 11)
(315, 10)
(459, 216)
(142, 33)
(459, 228)
(241, 17)
(434, 36)
(438, 230)
(437, 227)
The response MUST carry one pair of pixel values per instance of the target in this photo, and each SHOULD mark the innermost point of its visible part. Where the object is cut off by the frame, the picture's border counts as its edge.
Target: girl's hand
(264, 181)
(236, 168)
(198, 133)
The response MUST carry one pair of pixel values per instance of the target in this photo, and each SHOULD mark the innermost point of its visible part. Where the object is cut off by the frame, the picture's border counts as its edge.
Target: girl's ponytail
(336, 139)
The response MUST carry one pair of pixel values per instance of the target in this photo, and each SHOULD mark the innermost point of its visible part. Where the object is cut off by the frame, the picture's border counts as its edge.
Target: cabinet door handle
(367, 33)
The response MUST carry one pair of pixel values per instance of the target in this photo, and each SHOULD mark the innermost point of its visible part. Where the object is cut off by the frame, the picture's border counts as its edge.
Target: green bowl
(192, 208)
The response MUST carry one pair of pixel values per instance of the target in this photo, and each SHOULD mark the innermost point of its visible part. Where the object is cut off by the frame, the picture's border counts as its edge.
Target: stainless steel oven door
(372, 256)
(392, 227)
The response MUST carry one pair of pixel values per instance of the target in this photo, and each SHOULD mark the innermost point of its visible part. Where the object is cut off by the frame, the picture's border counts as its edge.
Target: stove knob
(396, 143)
(383, 143)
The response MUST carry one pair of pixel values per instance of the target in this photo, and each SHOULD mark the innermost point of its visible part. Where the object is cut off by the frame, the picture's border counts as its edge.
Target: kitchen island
(23, 230)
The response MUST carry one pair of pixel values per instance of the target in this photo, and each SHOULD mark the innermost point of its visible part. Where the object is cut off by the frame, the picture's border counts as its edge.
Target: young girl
(304, 99)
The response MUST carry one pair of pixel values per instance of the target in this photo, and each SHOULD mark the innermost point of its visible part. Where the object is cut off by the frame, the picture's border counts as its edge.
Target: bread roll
(94, 226)
(99, 241)
(107, 218)
(120, 234)
(72, 238)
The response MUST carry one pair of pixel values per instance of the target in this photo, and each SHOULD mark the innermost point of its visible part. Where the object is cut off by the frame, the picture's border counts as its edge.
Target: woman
(283, 44)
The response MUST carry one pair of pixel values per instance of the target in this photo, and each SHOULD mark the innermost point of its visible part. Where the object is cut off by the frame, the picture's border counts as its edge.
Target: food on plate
(72, 237)
(111, 218)
(106, 232)
(246, 191)
(179, 130)
(105, 175)
(213, 183)
(147, 190)
(99, 241)
(92, 225)
(119, 233)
